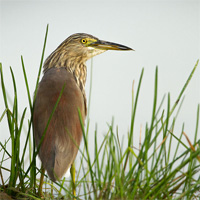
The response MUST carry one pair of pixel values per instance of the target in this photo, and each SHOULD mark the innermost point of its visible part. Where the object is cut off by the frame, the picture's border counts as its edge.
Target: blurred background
(163, 33)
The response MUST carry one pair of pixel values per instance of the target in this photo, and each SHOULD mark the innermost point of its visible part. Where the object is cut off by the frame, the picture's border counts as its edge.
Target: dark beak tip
(125, 48)
(129, 49)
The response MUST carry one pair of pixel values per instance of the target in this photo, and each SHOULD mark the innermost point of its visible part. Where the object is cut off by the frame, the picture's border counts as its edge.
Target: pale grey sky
(163, 33)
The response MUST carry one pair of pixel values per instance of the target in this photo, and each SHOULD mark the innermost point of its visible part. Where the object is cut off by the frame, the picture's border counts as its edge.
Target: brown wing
(58, 150)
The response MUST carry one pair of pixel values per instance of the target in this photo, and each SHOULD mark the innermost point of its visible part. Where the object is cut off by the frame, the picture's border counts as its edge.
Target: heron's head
(86, 46)
(80, 47)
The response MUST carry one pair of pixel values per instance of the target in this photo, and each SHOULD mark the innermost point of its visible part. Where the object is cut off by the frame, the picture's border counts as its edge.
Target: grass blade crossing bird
(65, 66)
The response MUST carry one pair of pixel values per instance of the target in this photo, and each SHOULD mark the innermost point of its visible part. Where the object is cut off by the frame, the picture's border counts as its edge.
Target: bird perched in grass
(65, 67)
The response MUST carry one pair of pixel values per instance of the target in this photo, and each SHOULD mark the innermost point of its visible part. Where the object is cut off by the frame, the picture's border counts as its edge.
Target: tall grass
(118, 170)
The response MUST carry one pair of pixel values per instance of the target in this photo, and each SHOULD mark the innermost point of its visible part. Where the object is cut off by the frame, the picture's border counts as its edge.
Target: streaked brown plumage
(66, 65)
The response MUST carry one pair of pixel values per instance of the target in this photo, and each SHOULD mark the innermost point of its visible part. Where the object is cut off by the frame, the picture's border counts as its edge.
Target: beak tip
(125, 48)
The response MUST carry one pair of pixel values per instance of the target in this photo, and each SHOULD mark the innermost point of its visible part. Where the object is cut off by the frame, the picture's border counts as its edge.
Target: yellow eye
(84, 41)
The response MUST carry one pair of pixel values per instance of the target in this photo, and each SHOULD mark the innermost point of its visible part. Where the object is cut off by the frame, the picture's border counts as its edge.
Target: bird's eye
(84, 41)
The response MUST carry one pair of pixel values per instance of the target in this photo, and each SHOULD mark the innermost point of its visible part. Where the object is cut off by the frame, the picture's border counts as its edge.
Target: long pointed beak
(104, 45)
